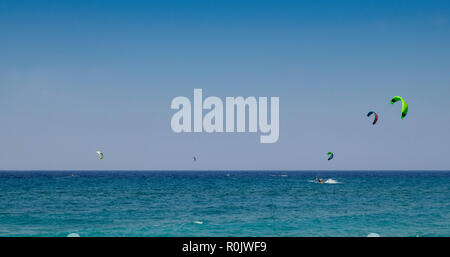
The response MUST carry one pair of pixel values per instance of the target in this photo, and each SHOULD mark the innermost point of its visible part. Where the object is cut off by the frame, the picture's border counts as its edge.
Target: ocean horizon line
(219, 170)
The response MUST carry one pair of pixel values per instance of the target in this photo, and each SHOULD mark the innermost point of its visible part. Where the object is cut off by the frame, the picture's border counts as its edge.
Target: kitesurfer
(319, 180)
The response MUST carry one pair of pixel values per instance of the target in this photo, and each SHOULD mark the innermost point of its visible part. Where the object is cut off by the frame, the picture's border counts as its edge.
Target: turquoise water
(220, 203)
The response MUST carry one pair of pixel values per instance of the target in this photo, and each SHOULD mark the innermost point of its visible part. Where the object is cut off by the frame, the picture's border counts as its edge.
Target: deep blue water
(244, 203)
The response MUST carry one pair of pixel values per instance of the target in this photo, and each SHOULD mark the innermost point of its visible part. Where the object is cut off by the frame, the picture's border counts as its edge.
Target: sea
(224, 203)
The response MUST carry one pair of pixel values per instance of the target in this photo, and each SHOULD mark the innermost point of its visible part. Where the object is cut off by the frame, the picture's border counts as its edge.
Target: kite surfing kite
(404, 105)
(100, 155)
(331, 155)
(375, 114)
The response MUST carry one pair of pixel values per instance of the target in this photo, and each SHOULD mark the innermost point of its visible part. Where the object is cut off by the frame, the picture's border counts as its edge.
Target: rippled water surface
(224, 203)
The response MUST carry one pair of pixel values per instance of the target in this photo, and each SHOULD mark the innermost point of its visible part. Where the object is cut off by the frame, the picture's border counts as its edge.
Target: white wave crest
(331, 181)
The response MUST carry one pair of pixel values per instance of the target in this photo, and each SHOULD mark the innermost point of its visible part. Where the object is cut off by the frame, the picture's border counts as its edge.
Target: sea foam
(331, 181)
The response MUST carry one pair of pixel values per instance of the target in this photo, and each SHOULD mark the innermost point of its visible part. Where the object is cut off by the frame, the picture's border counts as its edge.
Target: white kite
(100, 155)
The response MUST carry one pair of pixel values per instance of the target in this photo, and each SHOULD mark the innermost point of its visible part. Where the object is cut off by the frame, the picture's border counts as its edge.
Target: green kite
(404, 105)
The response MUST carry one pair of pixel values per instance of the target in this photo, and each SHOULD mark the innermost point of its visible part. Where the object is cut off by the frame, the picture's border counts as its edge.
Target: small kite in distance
(331, 155)
(375, 114)
(100, 155)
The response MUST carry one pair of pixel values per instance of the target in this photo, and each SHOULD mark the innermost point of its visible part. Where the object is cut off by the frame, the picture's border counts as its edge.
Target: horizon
(385, 170)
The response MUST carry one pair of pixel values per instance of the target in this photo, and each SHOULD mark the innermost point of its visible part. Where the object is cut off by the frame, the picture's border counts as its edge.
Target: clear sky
(81, 76)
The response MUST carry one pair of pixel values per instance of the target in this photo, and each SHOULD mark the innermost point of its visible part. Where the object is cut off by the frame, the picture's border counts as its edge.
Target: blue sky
(78, 76)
